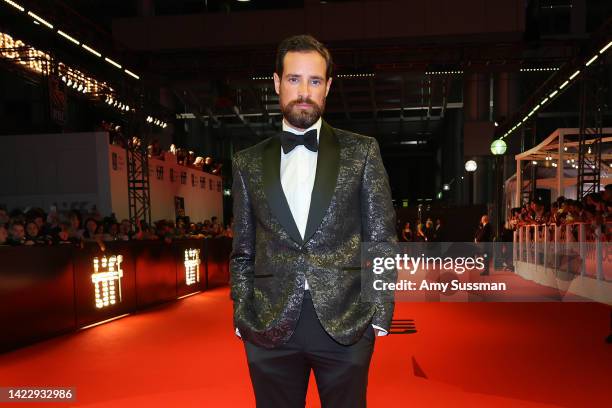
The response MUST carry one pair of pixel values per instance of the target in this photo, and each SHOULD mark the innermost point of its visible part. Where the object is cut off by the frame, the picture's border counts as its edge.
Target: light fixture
(498, 147)
(17, 6)
(130, 73)
(563, 85)
(110, 61)
(40, 20)
(592, 60)
(534, 162)
(470, 166)
(69, 38)
(574, 75)
(445, 187)
(94, 52)
(600, 51)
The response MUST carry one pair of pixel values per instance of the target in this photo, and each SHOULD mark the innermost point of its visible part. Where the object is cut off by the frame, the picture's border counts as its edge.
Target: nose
(304, 89)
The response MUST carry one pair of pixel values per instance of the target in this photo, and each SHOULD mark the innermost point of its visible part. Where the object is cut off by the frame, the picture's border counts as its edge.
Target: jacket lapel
(328, 161)
(274, 190)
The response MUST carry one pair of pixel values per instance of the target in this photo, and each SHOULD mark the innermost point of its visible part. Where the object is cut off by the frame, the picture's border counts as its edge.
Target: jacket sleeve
(242, 258)
(378, 225)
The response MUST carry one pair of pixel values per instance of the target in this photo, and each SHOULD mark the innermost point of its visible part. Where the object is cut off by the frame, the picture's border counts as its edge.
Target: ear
(277, 81)
(329, 81)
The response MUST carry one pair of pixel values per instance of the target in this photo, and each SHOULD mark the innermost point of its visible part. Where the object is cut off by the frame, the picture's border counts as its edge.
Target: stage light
(552, 95)
(80, 88)
(110, 61)
(17, 6)
(69, 38)
(110, 101)
(563, 85)
(592, 60)
(445, 187)
(565, 148)
(534, 162)
(130, 73)
(40, 19)
(94, 52)
(600, 51)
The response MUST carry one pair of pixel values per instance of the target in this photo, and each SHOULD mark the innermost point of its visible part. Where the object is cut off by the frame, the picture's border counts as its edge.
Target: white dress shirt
(297, 173)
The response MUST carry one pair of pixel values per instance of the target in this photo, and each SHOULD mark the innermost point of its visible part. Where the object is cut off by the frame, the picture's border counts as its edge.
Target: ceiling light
(17, 6)
(574, 75)
(94, 52)
(69, 38)
(110, 61)
(589, 62)
(40, 19)
(600, 51)
(130, 73)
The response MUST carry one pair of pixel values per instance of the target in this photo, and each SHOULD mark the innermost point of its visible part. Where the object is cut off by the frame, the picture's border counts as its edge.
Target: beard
(302, 118)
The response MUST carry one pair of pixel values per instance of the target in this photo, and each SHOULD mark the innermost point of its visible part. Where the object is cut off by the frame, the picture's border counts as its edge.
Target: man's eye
(316, 82)
(293, 80)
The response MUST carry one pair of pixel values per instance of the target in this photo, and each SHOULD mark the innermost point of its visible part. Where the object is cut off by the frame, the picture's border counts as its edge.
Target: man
(484, 235)
(303, 203)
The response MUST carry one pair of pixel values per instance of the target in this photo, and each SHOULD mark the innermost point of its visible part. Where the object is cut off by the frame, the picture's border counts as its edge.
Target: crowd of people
(35, 227)
(595, 210)
(424, 231)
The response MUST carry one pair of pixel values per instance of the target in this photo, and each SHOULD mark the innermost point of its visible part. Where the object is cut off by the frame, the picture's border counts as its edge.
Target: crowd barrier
(47, 291)
(575, 257)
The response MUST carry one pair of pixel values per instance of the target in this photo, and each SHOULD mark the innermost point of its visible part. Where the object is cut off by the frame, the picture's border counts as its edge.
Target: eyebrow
(299, 76)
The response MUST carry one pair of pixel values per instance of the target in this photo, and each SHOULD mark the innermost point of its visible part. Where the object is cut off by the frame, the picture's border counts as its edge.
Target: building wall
(81, 170)
(68, 170)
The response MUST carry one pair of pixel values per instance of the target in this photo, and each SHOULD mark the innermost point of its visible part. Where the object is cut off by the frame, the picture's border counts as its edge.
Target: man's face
(484, 219)
(303, 88)
(32, 229)
(17, 231)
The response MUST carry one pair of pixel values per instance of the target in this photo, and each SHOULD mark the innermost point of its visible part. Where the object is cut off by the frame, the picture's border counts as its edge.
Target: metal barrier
(577, 248)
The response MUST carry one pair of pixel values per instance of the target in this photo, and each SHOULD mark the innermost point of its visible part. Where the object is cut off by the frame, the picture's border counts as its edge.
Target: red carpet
(464, 355)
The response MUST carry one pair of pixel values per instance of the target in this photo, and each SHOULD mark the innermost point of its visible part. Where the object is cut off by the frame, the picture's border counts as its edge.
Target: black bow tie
(290, 140)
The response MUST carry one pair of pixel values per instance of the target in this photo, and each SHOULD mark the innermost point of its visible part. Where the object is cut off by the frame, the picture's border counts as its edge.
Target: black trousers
(280, 375)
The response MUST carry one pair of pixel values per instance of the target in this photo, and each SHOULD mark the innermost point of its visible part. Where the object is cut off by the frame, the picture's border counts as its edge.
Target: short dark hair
(302, 43)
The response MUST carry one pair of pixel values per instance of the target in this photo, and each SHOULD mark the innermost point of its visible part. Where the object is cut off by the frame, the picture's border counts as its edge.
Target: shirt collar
(317, 125)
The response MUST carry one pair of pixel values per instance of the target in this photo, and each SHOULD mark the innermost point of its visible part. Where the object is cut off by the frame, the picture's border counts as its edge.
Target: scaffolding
(590, 137)
(139, 191)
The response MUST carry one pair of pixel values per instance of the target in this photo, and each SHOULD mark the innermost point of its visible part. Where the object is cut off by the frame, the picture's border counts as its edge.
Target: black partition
(46, 291)
(36, 294)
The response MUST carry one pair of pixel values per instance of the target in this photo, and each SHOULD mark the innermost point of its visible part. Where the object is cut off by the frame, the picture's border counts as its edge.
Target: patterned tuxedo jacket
(351, 203)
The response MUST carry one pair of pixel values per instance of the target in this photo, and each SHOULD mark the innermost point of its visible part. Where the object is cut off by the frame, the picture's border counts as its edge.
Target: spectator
(215, 227)
(91, 230)
(407, 233)
(18, 235)
(3, 235)
(32, 234)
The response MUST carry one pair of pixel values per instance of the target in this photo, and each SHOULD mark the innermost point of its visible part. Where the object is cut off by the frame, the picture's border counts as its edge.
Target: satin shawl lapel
(328, 161)
(274, 190)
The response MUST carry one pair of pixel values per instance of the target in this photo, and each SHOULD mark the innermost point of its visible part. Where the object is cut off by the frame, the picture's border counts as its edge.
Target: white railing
(577, 248)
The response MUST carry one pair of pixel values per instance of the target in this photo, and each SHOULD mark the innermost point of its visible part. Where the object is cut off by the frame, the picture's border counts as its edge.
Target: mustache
(303, 101)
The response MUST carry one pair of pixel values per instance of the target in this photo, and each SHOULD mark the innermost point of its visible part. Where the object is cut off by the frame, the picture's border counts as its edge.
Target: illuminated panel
(107, 280)
(192, 266)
